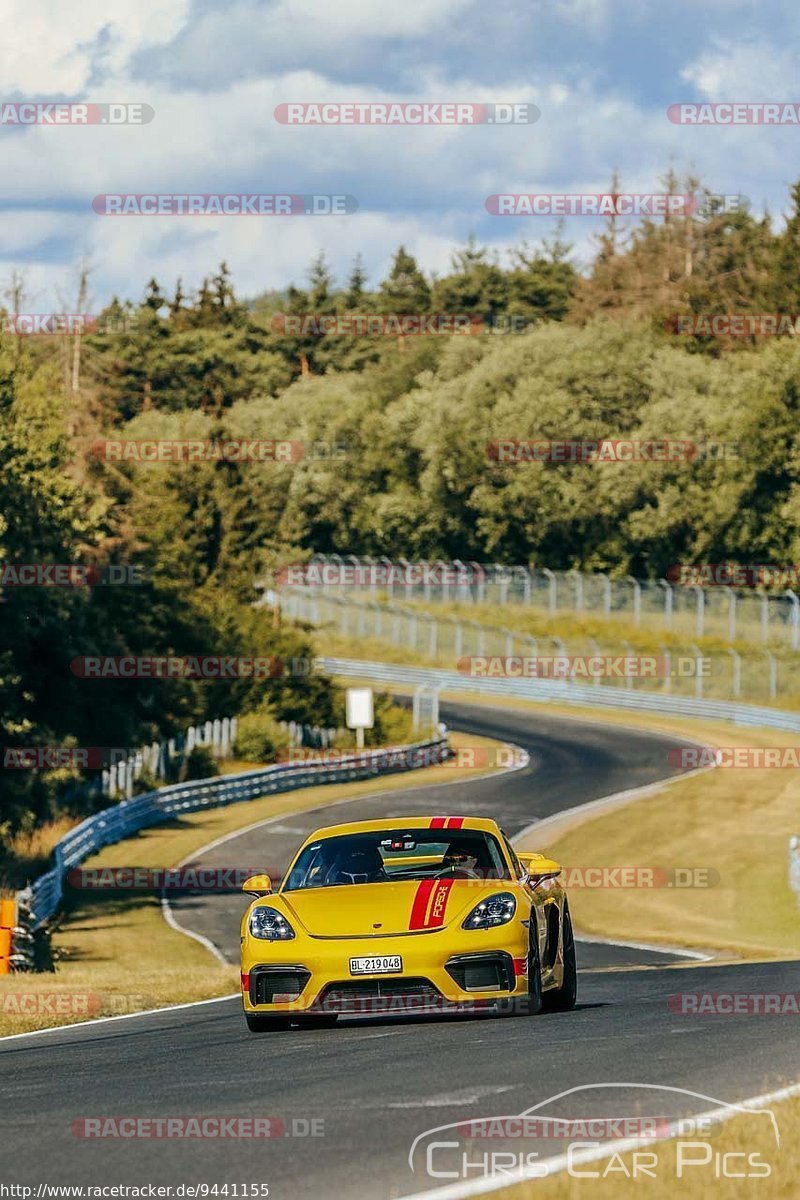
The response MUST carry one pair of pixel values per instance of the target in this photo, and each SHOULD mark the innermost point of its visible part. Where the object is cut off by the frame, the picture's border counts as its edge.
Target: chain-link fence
(766, 617)
(477, 649)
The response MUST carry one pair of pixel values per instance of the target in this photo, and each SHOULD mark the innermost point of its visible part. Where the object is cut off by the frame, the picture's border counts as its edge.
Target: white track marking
(147, 1012)
(600, 941)
(169, 917)
(454, 1099)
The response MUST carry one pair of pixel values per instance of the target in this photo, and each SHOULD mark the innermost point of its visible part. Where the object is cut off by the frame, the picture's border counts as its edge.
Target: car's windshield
(386, 855)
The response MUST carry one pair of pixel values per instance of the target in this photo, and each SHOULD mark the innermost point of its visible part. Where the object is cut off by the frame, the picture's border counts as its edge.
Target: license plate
(376, 965)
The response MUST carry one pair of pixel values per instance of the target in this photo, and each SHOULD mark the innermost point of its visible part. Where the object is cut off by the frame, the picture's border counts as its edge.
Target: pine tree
(405, 289)
(356, 283)
(785, 286)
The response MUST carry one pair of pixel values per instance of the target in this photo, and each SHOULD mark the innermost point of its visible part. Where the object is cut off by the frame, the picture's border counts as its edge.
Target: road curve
(378, 1084)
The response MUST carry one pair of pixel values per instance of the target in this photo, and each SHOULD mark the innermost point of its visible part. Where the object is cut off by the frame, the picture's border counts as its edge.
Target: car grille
(379, 995)
(268, 982)
(482, 972)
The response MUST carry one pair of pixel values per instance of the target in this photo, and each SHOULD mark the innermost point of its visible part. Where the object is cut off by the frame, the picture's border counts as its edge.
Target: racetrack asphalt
(377, 1084)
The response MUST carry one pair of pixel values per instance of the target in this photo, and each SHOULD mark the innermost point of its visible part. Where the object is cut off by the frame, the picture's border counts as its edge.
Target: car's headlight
(266, 922)
(496, 910)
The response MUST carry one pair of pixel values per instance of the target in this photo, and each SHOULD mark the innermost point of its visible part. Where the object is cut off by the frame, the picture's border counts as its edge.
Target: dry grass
(733, 823)
(26, 854)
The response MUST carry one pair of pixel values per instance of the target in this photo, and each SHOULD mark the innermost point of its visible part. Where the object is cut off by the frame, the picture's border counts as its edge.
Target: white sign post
(360, 712)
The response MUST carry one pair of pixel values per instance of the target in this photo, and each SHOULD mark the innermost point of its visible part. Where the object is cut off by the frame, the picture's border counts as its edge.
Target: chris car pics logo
(599, 1131)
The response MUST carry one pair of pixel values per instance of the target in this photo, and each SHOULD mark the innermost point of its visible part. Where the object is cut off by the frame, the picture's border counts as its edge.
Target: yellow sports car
(420, 914)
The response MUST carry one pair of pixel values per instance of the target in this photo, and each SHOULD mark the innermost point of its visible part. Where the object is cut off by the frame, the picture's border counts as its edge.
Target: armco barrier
(565, 692)
(43, 897)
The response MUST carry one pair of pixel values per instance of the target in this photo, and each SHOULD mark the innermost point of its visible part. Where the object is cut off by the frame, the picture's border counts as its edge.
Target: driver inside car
(461, 856)
(362, 864)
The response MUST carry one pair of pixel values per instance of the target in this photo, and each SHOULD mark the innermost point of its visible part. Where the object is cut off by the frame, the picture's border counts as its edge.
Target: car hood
(382, 909)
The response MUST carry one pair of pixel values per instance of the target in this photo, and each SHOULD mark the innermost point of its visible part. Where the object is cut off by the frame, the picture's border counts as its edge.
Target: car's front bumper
(443, 971)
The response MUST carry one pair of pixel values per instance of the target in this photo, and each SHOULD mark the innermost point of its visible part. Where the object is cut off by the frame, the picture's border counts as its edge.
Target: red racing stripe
(420, 906)
(439, 903)
(438, 823)
(454, 822)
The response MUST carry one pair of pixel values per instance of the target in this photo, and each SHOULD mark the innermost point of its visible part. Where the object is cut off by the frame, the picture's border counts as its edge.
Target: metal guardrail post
(731, 594)
(577, 579)
(736, 683)
(698, 674)
(765, 618)
(606, 594)
(637, 598)
(552, 602)
(701, 608)
(668, 600)
(795, 619)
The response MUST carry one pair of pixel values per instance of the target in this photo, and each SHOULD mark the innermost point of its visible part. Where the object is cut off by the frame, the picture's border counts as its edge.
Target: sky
(602, 73)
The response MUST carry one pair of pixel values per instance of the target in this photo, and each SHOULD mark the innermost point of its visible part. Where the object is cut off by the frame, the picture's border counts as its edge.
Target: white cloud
(46, 47)
(364, 18)
(745, 70)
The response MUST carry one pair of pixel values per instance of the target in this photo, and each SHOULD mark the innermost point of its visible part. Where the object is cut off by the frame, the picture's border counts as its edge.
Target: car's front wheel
(562, 998)
(530, 1004)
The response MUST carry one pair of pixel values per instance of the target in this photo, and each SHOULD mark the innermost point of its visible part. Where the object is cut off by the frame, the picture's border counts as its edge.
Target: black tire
(530, 1004)
(563, 998)
(257, 1023)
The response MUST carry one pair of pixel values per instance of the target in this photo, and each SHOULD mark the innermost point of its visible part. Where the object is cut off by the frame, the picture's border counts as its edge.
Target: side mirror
(257, 885)
(538, 868)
